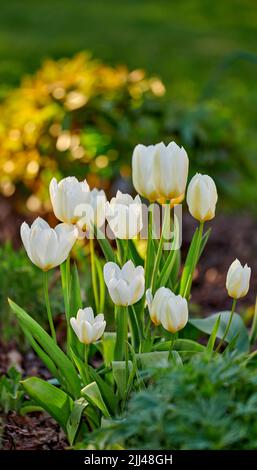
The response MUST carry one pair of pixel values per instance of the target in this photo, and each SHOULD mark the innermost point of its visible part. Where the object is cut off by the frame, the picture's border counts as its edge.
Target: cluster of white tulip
(159, 174)
(167, 309)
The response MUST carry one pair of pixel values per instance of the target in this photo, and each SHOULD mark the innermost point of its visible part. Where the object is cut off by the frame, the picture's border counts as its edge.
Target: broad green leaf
(67, 374)
(155, 359)
(94, 396)
(55, 401)
(106, 391)
(75, 418)
(108, 342)
(237, 328)
(119, 374)
(184, 345)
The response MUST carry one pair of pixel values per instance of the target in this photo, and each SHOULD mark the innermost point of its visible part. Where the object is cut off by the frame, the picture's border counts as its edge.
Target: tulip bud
(126, 285)
(167, 309)
(66, 196)
(87, 327)
(47, 247)
(202, 197)
(143, 171)
(124, 215)
(171, 171)
(238, 279)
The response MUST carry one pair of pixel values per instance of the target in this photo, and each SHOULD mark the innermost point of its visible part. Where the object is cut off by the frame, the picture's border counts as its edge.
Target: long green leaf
(106, 248)
(106, 391)
(212, 339)
(154, 359)
(75, 418)
(120, 376)
(55, 401)
(66, 372)
(108, 341)
(135, 256)
(40, 352)
(186, 345)
(94, 396)
(75, 305)
(188, 262)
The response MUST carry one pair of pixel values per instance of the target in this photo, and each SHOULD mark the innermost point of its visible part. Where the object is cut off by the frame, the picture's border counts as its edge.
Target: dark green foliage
(12, 394)
(209, 403)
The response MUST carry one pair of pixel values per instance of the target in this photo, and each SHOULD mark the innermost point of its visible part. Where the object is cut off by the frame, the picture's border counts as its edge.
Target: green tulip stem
(48, 306)
(94, 273)
(148, 258)
(65, 277)
(172, 340)
(165, 226)
(228, 325)
(119, 252)
(121, 320)
(126, 345)
(86, 354)
(125, 256)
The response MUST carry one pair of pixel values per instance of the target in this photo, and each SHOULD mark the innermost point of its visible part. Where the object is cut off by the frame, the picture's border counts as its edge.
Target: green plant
(12, 394)
(19, 278)
(206, 404)
(95, 375)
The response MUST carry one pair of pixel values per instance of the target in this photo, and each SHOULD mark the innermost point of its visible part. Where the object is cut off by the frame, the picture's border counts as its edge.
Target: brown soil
(34, 432)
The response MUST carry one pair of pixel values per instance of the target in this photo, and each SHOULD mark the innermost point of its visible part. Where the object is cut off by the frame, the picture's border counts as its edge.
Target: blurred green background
(183, 42)
(203, 51)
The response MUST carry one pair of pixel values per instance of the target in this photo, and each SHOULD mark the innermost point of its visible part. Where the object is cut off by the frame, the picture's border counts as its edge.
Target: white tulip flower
(143, 171)
(202, 197)
(124, 215)
(92, 212)
(126, 285)
(66, 196)
(47, 247)
(167, 309)
(87, 327)
(238, 280)
(171, 171)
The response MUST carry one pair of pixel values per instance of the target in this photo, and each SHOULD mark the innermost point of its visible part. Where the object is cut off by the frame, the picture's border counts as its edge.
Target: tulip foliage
(100, 366)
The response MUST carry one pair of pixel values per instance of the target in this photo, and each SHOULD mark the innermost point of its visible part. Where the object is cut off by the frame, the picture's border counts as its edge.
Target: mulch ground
(232, 237)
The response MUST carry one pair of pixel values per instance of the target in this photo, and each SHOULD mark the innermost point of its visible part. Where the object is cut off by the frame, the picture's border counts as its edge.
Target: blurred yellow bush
(74, 116)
